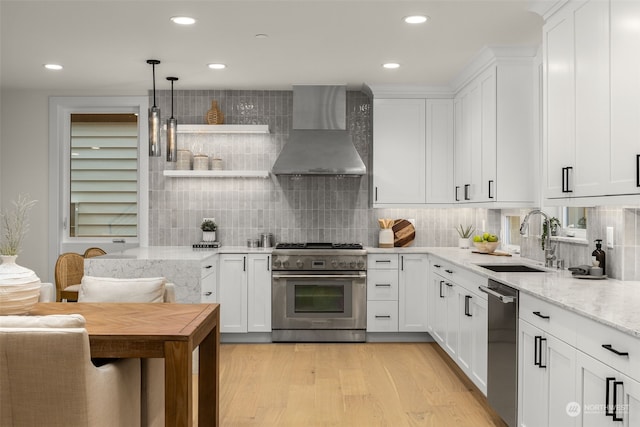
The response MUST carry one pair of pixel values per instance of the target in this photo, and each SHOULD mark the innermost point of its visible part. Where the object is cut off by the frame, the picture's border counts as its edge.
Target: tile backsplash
(315, 208)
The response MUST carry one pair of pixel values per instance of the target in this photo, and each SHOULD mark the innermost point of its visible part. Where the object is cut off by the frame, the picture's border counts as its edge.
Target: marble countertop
(178, 253)
(611, 302)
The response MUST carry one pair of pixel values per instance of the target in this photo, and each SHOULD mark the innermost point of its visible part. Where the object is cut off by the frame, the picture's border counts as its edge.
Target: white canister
(385, 238)
(216, 164)
(200, 162)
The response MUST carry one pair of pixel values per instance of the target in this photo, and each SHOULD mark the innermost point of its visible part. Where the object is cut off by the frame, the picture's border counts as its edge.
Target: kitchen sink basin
(511, 268)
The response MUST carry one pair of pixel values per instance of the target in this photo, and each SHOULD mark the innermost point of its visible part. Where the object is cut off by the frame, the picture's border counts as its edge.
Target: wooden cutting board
(492, 253)
(404, 233)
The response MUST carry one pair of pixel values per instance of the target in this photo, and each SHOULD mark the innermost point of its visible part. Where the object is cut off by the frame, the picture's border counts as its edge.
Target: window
(574, 222)
(98, 186)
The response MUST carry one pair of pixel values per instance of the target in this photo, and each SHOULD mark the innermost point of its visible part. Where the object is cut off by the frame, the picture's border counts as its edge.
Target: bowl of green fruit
(486, 242)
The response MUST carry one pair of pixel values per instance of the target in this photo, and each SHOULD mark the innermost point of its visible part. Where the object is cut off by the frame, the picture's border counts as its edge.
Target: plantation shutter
(104, 177)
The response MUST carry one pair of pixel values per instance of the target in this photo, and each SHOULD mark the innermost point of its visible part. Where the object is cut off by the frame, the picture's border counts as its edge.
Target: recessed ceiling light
(262, 36)
(216, 66)
(183, 20)
(391, 65)
(53, 66)
(415, 19)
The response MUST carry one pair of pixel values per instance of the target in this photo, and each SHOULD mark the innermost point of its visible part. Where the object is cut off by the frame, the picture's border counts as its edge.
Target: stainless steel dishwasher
(502, 353)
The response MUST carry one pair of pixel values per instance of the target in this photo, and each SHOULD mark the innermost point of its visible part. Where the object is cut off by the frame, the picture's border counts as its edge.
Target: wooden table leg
(208, 378)
(178, 383)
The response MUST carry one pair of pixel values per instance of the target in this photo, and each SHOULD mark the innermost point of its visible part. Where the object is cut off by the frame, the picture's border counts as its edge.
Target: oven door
(319, 301)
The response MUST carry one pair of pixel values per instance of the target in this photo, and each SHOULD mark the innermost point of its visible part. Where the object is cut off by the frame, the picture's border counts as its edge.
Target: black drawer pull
(466, 191)
(456, 196)
(542, 316)
(436, 265)
(441, 282)
(208, 266)
(637, 170)
(383, 316)
(207, 293)
(383, 285)
(613, 350)
(607, 407)
(466, 305)
(449, 284)
(449, 271)
(490, 194)
(383, 260)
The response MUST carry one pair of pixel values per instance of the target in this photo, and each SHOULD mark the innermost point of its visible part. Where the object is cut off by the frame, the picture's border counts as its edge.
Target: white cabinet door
(412, 293)
(437, 308)
(624, 162)
(382, 316)
(546, 379)
(467, 138)
(259, 293)
(399, 151)
(591, 44)
(559, 98)
(472, 349)
(233, 293)
(483, 162)
(439, 150)
(451, 340)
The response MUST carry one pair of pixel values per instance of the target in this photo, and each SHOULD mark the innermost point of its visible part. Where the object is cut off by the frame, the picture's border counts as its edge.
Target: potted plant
(554, 223)
(464, 233)
(208, 228)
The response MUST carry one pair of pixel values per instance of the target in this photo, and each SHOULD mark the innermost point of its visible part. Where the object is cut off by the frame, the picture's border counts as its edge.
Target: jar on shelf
(200, 162)
(216, 164)
(184, 160)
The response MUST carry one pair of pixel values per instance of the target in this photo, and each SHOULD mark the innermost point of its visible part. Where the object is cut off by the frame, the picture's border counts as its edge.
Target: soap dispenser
(599, 255)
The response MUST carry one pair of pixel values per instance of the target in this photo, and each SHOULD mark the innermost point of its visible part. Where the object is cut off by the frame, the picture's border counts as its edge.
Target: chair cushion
(72, 288)
(108, 289)
(50, 321)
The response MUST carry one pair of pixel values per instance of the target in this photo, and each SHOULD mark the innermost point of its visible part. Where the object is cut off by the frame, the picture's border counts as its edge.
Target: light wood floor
(373, 384)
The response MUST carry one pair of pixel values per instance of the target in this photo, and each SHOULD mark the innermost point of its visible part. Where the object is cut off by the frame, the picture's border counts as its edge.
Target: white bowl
(486, 247)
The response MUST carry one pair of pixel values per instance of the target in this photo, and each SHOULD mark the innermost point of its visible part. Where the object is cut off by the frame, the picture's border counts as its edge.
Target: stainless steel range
(319, 292)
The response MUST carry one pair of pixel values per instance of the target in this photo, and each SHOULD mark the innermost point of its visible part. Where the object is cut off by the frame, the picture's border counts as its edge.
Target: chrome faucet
(549, 252)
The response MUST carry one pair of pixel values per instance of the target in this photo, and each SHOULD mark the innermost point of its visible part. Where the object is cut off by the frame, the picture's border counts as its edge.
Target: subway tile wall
(296, 210)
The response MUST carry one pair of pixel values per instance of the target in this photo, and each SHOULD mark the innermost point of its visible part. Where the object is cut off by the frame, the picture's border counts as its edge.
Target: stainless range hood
(319, 143)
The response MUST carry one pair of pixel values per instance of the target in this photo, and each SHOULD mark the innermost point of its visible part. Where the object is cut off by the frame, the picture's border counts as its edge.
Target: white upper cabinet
(439, 150)
(495, 149)
(592, 100)
(399, 151)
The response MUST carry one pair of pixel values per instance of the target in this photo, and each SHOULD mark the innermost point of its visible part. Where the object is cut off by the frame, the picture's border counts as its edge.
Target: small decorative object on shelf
(464, 233)
(208, 228)
(184, 160)
(216, 164)
(214, 116)
(200, 162)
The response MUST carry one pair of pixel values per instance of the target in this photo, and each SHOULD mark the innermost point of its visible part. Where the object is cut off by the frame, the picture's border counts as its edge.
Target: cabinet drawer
(382, 316)
(551, 318)
(382, 285)
(593, 335)
(382, 261)
(207, 268)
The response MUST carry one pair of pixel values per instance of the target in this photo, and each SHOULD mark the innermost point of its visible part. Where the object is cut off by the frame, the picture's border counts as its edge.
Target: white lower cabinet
(208, 281)
(473, 324)
(245, 293)
(546, 378)
(397, 292)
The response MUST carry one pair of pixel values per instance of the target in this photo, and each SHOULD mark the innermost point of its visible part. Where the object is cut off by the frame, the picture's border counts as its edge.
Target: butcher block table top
(152, 330)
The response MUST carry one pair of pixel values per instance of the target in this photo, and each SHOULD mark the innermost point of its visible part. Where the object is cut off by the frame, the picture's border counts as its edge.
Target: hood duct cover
(319, 143)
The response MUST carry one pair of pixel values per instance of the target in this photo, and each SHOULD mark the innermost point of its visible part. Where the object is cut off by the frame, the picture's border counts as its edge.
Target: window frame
(60, 110)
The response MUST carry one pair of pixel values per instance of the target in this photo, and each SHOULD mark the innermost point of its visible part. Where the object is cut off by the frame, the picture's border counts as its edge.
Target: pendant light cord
(153, 63)
(172, 79)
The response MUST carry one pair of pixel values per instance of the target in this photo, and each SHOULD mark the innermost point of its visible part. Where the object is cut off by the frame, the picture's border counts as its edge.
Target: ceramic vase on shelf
(214, 115)
(463, 243)
(19, 287)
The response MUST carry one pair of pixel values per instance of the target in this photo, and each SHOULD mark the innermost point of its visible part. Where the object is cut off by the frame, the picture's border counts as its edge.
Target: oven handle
(506, 299)
(319, 276)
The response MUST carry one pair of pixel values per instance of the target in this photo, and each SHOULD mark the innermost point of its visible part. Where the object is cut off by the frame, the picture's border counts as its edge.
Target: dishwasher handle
(506, 299)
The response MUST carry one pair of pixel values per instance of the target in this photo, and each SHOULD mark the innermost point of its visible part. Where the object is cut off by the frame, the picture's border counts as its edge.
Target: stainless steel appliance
(319, 292)
(502, 367)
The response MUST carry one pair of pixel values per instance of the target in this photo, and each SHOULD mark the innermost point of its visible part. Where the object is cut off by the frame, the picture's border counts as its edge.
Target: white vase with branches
(15, 225)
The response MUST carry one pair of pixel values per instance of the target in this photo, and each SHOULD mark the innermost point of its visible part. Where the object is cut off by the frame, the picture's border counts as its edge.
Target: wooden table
(169, 331)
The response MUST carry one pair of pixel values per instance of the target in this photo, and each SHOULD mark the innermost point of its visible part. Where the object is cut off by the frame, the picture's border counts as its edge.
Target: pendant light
(172, 130)
(154, 117)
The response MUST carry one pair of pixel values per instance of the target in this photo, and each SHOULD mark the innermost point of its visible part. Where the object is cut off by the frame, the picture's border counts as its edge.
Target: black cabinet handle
(637, 170)
(401, 262)
(244, 263)
(536, 352)
(490, 194)
(208, 266)
(441, 282)
(565, 179)
(613, 350)
(383, 260)
(607, 407)
(207, 293)
(540, 349)
(449, 271)
(376, 196)
(542, 316)
(383, 285)
(436, 265)
(456, 196)
(268, 263)
(449, 284)
(383, 316)
(466, 305)
(466, 191)
(614, 414)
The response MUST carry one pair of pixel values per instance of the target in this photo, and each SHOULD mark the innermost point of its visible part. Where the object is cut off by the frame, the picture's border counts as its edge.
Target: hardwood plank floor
(372, 384)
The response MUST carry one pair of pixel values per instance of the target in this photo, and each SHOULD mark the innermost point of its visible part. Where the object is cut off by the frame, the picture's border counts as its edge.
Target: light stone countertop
(612, 302)
(178, 253)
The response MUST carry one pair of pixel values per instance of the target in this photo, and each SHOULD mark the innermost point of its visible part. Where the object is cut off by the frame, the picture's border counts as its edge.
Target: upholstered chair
(153, 289)
(47, 378)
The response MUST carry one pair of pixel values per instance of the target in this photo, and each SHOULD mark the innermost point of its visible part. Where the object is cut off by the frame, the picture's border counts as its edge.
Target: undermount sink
(511, 268)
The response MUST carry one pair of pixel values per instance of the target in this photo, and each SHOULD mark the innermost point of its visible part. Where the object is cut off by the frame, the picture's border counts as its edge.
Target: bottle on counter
(599, 255)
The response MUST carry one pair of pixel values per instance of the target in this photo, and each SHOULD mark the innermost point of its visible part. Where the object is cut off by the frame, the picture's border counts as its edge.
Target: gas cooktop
(321, 245)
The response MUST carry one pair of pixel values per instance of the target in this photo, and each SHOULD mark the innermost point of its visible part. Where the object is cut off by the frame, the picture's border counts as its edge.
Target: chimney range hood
(319, 143)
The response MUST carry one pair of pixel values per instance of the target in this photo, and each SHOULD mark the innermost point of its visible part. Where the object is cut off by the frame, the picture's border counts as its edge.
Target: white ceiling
(104, 44)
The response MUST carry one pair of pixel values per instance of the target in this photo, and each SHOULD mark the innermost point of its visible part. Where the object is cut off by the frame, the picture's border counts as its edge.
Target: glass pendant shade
(172, 130)
(154, 132)
(154, 117)
(172, 142)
